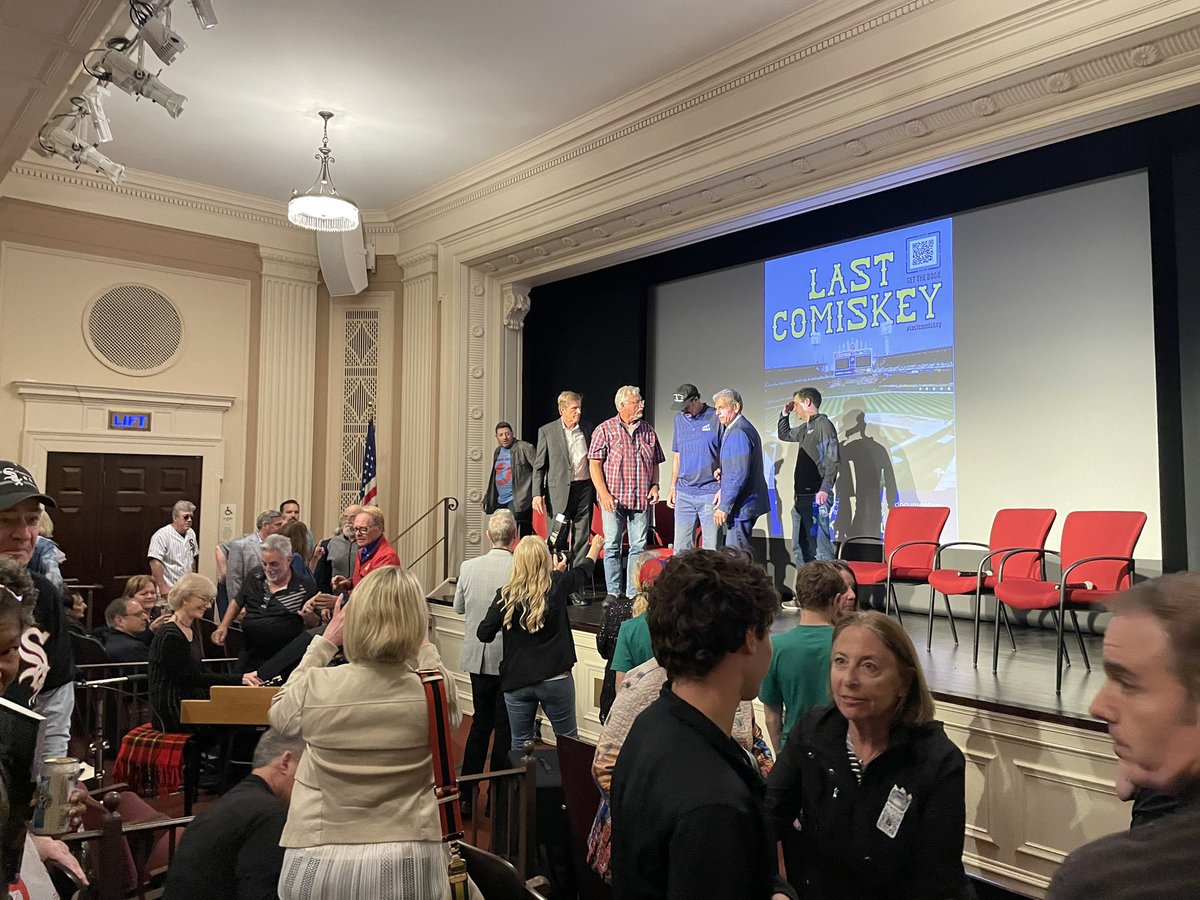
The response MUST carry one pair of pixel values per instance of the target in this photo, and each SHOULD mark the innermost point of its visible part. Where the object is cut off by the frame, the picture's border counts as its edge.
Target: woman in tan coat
(363, 821)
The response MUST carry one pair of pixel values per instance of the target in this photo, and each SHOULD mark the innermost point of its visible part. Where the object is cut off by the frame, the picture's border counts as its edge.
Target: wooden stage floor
(1022, 686)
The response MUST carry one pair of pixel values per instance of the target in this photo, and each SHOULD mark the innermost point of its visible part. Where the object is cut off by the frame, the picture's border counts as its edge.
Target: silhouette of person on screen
(866, 479)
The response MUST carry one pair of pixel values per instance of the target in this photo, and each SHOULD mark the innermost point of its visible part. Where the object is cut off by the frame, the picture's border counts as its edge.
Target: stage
(1022, 686)
(1039, 768)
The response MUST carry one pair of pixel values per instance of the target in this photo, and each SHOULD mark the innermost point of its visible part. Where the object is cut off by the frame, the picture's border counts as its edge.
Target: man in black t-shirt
(232, 849)
(47, 666)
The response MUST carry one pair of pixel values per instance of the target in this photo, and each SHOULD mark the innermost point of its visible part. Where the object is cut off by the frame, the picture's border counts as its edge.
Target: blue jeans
(807, 546)
(557, 698)
(688, 508)
(615, 523)
(56, 705)
(737, 533)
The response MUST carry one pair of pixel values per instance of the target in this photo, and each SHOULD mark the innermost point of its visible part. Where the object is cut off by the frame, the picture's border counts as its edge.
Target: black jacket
(232, 849)
(840, 850)
(549, 651)
(687, 811)
(122, 647)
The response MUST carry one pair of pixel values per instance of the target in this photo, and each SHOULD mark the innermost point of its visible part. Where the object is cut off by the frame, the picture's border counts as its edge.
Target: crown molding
(1130, 77)
(177, 192)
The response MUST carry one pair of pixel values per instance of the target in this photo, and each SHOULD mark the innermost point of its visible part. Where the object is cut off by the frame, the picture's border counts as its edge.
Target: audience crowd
(848, 787)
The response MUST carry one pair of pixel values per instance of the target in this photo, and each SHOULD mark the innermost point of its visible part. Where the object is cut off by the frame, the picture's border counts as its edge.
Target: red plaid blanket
(151, 762)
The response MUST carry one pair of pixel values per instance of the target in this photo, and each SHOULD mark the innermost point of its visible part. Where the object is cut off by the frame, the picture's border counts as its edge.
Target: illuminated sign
(128, 421)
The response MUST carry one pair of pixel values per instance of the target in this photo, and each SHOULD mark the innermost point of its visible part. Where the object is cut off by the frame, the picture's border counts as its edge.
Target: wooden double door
(108, 506)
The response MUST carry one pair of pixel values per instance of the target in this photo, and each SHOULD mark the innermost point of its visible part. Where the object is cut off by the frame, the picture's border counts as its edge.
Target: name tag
(893, 811)
(706, 428)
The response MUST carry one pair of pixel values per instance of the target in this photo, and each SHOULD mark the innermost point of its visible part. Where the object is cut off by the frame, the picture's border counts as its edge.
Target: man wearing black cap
(696, 448)
(44, 680)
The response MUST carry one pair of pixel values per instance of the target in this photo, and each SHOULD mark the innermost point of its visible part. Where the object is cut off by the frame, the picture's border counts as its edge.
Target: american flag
(370, 489)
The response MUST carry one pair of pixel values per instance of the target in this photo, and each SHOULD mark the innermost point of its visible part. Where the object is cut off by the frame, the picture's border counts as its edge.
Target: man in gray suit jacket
(562, 481)
(478, 581)
(244, 561)
(510, 481)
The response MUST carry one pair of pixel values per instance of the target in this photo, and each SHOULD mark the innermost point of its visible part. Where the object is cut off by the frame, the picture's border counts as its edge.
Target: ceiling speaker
(343, 256)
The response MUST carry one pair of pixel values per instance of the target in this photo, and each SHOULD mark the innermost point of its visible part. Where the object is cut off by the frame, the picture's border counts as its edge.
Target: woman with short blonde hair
(363, 811)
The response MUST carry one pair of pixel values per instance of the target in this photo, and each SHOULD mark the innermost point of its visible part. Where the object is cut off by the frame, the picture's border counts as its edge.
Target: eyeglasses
(361, 529)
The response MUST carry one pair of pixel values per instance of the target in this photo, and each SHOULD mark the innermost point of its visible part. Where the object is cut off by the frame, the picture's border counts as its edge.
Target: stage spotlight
(133, 79)
(161, 38)
(205, 13)
(55, 138)
(93, 100)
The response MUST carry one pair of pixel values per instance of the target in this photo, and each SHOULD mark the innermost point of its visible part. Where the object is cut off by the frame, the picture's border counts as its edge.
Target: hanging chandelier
(321, 207)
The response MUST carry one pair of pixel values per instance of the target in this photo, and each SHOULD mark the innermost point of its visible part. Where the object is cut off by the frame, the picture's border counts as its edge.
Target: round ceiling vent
(134, 330)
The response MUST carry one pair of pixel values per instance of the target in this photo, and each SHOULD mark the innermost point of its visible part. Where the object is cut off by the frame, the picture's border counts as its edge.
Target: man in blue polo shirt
(696, 447)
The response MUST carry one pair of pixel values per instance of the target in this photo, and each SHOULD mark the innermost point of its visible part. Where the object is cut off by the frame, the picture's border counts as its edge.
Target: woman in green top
(798, 677)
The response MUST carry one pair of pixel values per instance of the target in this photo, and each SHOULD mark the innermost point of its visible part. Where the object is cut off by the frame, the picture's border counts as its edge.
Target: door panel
(109, 506)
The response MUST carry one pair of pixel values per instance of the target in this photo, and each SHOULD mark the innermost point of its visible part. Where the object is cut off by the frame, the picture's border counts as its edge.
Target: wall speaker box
(343, 256)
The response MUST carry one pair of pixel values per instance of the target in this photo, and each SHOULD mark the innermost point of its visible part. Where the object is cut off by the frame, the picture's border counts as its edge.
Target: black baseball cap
(16, 485)
(684, 394)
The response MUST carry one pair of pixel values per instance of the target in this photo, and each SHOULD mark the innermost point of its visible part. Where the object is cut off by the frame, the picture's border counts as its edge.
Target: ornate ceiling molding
(678, 106)
(1146, 73)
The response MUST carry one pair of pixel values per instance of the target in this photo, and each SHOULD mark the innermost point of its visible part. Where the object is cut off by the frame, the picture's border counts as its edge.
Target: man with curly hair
(687, 801)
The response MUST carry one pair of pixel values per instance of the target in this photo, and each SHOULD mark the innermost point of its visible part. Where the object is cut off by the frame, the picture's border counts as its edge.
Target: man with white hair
(743, 495)
(244, 560)
(478, 581)
(624, 459)
(173, 548)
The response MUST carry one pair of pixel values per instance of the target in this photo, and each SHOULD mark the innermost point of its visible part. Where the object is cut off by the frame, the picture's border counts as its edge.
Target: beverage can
(52, 813)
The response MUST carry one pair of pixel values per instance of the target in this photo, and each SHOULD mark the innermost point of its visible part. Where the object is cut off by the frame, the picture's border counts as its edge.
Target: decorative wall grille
(360, 388)
(134, 330)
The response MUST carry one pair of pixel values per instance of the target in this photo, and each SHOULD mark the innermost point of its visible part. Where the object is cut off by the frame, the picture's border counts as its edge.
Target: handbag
(445, 785)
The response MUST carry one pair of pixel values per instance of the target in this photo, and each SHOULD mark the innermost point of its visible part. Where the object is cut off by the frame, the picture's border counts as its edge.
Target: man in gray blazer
(478, 581)
(510, 481)
(244, 561)
(562, 481)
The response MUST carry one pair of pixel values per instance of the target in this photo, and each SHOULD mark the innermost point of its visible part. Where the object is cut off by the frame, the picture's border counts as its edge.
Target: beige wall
(54, 263)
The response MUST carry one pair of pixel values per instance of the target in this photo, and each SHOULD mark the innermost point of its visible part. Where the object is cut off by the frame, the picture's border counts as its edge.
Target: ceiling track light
(205, 13)
(116, 67)
(321, 207)
(161, 38)
(66, 136)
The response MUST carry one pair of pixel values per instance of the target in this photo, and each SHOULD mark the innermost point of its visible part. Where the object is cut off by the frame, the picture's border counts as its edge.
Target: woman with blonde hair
(868, 794)
(176, 672)
(539, 651)
(363, 820)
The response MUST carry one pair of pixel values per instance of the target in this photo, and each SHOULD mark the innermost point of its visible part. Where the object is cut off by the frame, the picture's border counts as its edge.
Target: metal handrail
(448, 505)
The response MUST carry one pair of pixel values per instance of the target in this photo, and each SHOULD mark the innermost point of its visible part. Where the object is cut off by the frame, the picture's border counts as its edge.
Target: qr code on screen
(923, 252)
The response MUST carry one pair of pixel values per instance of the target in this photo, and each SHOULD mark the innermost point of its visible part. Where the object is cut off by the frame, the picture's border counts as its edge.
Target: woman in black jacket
(868, 793)
(176, 672)
(539, 651)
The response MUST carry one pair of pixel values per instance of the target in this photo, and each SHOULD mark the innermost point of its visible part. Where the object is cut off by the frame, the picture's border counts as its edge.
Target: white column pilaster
(419, 441)
(286, 381)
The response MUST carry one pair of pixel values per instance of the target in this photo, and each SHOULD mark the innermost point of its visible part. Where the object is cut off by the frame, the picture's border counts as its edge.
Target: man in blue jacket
(743, 495)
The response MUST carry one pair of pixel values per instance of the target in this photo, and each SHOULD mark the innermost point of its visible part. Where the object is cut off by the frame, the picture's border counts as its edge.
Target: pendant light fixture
(321, 207)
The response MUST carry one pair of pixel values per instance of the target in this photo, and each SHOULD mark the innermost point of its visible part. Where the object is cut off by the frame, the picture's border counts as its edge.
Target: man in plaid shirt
(624, 457)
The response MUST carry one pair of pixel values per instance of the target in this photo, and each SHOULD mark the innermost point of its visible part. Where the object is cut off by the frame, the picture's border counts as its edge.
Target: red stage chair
(1012, 528)
(1097, 562)
(910, 542)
